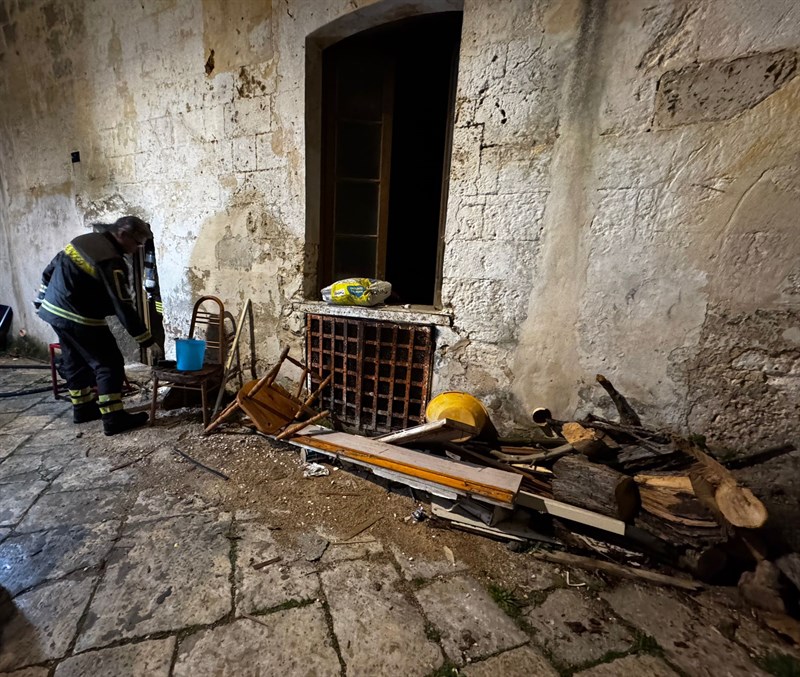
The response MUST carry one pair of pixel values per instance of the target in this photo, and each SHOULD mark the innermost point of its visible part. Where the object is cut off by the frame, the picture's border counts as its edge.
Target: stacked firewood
(678, 503)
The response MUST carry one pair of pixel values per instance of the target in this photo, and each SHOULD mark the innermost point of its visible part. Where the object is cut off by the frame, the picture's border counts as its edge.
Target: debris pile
(628, 493)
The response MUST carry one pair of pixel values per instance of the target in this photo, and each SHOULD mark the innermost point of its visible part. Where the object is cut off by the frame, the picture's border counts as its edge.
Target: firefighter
(82, 285)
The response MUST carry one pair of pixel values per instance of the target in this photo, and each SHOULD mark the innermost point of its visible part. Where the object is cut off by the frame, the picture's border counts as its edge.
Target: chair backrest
(208, 323)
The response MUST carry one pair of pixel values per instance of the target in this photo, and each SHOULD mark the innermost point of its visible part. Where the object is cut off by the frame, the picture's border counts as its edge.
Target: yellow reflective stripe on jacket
(67, 315)
(79, 261)
(141, 338)
(159, 308)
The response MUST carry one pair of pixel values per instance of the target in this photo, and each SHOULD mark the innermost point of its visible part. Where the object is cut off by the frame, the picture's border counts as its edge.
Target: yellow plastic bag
(357, 291)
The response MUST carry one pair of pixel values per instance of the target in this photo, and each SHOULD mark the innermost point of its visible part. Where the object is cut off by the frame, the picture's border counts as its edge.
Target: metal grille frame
(381, 370)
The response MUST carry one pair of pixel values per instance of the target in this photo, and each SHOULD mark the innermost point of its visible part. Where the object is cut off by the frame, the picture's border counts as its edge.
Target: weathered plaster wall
(623, 194)
(628, 182)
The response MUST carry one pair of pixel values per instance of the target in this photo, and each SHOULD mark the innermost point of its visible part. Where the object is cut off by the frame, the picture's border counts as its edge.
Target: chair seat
(173, 375)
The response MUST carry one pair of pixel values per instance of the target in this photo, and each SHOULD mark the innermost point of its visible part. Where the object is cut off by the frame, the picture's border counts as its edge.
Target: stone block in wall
(718, 90)
(270, 153)
(465, 160)
(515, 168)
(248, 117)
(490, 311)
(466, 220)
(517, 217)
(489, 260)
(745, 378)
(244, 154)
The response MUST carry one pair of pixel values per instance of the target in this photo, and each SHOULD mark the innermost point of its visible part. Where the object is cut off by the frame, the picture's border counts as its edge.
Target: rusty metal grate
(381, 370)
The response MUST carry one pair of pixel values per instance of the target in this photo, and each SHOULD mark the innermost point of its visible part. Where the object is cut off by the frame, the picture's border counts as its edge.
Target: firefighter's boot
(120, 421)
(84, 405)
(83, 413)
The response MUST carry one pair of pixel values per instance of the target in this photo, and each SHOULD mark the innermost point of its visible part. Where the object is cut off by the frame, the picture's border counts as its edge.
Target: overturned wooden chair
(271, 407)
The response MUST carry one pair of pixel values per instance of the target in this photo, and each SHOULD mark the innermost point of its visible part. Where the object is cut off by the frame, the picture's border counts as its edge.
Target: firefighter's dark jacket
(87, 282)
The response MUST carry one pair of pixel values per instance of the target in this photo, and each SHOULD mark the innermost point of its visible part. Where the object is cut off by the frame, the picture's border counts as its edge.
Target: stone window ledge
(413, 314)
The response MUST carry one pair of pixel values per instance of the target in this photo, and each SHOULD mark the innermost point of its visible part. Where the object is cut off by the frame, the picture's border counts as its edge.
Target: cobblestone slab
(154, 504)
(379, 631)
(16, 498)
(162, 576)
(148, 659)
(262, 589)
(340, 552)
(576, 628)
(631, 666)
(10, 442)
(690, 643)
(92, 473)
(471, 624)
(27, 672)
(45, 623)
(29, 559)
(522, 662)
(286, 643)
(74, 508)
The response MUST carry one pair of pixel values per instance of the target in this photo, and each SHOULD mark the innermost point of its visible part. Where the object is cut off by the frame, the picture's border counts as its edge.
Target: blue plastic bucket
(190, 354)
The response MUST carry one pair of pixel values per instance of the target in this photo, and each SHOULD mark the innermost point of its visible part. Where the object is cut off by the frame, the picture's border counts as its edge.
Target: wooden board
(507, 530)
(499, 485)
(571, 512)
(445, 430)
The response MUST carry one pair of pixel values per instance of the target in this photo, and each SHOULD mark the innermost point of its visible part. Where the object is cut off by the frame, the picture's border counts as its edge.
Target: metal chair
(207, 323)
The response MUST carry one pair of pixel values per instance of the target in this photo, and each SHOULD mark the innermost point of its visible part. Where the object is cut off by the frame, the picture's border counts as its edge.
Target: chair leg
(306, 406)
(270, 376)
(204, 398)
(153, 400)
(233, 406)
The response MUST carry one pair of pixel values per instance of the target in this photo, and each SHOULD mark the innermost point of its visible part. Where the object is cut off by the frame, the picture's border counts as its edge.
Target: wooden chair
(270, 406)
(208, 323)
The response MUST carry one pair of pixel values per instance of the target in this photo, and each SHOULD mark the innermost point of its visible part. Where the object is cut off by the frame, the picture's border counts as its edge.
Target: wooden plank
(571, 512)
(446, 430)
(413, 482)
(498, 485)
(508, 530)
(474, 472)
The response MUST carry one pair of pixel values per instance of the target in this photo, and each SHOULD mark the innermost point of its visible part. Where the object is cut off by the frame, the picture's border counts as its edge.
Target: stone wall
(623, 191)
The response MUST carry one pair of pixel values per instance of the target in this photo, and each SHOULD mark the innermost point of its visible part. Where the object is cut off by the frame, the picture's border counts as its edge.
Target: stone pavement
(110, 576)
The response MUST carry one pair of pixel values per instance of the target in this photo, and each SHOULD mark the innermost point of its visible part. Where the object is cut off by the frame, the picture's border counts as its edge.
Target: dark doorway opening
(387, 116)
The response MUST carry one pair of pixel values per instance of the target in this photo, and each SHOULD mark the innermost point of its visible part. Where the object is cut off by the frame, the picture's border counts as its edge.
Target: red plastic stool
(57, 387)
(60, 386)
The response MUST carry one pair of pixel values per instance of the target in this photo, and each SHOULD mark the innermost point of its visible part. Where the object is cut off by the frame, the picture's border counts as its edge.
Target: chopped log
(737, 503)
(672, 498)
(595, 487)
(627, 415)
(591, 443)
(634, 459)
(567, 559)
